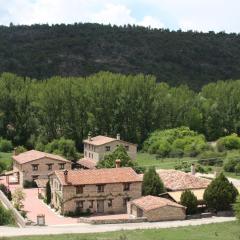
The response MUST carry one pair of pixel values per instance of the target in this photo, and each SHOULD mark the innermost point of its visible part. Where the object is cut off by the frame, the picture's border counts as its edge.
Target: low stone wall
(18, 217)
(111, 221)
(200, 215)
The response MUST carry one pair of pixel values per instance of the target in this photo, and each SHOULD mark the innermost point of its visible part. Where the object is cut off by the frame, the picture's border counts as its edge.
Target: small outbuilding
(156, 209)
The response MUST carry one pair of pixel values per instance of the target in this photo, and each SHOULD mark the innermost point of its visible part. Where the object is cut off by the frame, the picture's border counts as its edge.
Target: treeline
(175, 57)
(37, 112)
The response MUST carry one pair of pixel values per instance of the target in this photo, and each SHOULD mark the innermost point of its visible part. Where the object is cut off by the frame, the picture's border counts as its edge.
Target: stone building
(95, 148)
(96, 190)
(156, 209)
(32, 165)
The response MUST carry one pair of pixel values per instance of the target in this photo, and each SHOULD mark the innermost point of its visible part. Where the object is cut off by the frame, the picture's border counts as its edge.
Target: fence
(18, 217)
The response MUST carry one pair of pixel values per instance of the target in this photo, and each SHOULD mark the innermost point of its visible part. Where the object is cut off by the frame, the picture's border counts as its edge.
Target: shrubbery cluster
(176, 142)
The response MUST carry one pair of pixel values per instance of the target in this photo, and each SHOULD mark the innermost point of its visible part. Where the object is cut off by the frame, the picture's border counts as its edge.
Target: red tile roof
(149, 202)
(175, 180)
(87, 163)
(98, 176)
(101, 140)
(35, 155)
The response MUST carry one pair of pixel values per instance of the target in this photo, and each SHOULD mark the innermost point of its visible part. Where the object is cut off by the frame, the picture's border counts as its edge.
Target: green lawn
(6, 159)
(220, 231)
(147, 160)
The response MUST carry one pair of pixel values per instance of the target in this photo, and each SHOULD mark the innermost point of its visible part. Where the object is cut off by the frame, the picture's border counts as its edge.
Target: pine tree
(152, 184)
(189, 200)
(220, 194)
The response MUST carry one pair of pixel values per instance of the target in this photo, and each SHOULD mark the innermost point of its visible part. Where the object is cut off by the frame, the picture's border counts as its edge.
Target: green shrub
(189, 200)
(152, 184)
(6, 191)
(175, 142)
(29, 184)
(230, 164)
(5, 145)
(228, 143)
(236, 208)
(237, 169)
(20, 149)
(220, 194)
(6, 216)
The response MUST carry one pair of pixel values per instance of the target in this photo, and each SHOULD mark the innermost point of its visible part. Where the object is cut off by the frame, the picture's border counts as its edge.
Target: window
(34, 167)
(49, 166)
(125, 200)
(89, 155)
(100, 188)
(61, 166)
(85, 153)
(34, 177)
(79, 204)
(79, 189)
(126, 186)
(127, 148)
(108, 148)
(91, 203)
(110, 203)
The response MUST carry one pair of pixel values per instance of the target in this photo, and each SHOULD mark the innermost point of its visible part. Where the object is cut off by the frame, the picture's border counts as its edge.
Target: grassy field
(6, 159)
(147, 160)
(220, 231)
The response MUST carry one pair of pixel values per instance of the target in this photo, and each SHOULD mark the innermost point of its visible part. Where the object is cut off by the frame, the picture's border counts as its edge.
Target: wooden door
(100, 206)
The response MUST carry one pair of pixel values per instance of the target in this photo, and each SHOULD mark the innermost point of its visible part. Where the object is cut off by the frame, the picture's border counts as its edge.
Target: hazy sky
(201, 15)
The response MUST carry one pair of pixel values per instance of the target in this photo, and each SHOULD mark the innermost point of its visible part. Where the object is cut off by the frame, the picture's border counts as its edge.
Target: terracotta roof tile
(101, 140)
(87, 163)
(149, 202)
(35, 155)
(177, 180)
(98, 176)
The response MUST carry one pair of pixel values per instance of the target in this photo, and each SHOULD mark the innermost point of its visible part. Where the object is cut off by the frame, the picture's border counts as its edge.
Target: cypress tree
(48, 193)
(189, 200)
(152, 184)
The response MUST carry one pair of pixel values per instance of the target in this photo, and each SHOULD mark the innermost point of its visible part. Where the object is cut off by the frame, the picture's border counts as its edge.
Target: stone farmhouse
(156, 209)
(33, 165)
(95, 148)
(95, 190)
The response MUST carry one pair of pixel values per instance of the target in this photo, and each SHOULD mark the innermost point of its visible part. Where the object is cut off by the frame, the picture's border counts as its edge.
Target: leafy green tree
(20, 149)
(48, 193)
(189, 200)
(220, 194)
(152, 184)
(18, 197)
(237, 169)
(120, 153)
(64, 147)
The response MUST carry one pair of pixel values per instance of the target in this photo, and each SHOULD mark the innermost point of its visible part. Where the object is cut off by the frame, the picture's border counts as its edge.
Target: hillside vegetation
(175, 57)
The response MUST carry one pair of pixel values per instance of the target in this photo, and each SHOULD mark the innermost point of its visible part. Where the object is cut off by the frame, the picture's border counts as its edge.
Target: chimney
(118, 136)
(193, 170)
(89, 137)
(118, 163)
(66, 175)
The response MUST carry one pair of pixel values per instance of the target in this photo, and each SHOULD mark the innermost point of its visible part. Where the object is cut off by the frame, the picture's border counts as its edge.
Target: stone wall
(113, 193)
(98, 152)
(27, 173)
